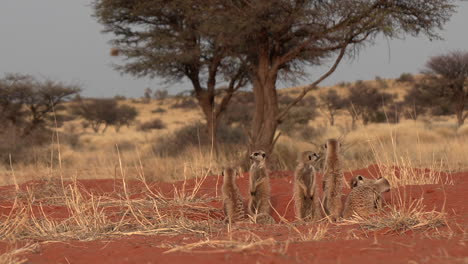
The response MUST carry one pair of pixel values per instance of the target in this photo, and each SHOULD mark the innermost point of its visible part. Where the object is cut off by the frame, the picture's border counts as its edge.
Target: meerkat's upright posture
(259, 202)
(233, 204)
(366, 197)
(332, 180)
(305, 191)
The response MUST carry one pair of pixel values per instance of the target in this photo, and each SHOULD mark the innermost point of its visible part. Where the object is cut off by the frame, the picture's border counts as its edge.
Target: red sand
(339, 246)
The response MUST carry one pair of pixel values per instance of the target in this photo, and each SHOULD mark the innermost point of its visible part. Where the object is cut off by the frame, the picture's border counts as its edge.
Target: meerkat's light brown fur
(233, 203)
(359, 180)
(305, 188)
(366, 198)
(332, 181)
(259, 186)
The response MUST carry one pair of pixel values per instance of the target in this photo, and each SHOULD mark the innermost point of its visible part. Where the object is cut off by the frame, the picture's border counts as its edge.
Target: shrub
(119, 97)
(405, 77)
(194, 135)
(185, 103)
(153, 124)
(381, 83)
(158, 110)
(107, 112)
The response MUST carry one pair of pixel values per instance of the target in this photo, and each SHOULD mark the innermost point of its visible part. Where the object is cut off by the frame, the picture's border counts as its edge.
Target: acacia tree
(447, 76)
(331, 102)
(174, 40)
(275, 38)
(280, 37)
(365, 102)
(26, 100)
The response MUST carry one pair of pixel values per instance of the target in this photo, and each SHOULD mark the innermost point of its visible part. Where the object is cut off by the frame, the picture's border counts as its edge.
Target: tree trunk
(332, 119)
(206, 103)
(264, 121)
(459, 109)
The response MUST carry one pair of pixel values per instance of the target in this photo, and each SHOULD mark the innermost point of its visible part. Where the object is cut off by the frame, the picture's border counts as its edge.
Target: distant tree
(366, 102)
(448, 76)
(419, 99)
(405, 77)
(124, 116)
(29, 103)
(152, 124)
(105, 112)
(119, 97)
(266, 41)
(147, 95)
(331, 102)
(160, 95)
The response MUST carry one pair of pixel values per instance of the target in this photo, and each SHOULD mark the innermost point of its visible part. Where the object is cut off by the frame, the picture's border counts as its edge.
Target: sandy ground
(277, 243)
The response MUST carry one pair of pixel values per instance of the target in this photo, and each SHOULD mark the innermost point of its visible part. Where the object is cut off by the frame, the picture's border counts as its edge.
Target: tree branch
(313, 85)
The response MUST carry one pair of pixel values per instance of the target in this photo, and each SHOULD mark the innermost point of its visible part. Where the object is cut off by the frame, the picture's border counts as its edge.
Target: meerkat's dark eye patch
(310, 157)
(256, 154)
(316, 156)
(263, 154)
(360, 178)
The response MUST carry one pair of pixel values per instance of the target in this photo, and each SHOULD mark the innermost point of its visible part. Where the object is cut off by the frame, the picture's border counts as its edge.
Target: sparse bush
(107, 112)
(147, 96)
(343, 84)
(160, 94)
(119, 97)
(22, 148)
(381, 83)
(405, 78)
(331, 101)
(366, 102)
(185, 103)
(194, 135)
(158, 110)
(28, 103)
(151, 125)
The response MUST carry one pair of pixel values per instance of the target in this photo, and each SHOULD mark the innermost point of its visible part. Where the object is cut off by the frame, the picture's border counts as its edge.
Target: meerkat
(359, 180)
(259, 185)
(233, 203)
(305, 193)
(332, 181)
(365, 198)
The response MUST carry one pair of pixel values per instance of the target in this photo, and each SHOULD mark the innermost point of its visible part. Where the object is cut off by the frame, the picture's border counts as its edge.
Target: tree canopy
(265, 40)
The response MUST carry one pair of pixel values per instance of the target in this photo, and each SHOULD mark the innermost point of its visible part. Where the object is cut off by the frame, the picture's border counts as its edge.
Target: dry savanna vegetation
(138, 180)
(133, 163)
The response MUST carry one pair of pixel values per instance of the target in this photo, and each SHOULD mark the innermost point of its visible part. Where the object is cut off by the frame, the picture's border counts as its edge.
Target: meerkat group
(364, 199)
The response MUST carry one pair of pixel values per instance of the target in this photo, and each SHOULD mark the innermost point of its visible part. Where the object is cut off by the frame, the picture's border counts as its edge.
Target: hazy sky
(59, 39)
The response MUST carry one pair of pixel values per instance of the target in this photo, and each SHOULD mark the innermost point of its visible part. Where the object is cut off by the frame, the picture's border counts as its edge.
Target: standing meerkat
(305, 191)
(332, 180)
(259, 186)
(233, 203)
(366, 198)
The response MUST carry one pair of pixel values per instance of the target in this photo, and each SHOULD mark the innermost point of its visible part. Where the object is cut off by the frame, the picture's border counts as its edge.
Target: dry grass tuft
(252, 242)
(402, 218)
(14, 256)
